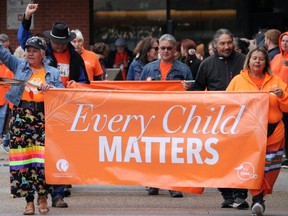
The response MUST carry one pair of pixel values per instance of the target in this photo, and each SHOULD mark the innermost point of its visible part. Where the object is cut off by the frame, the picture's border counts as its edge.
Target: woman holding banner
(256, 76)
(27, 122)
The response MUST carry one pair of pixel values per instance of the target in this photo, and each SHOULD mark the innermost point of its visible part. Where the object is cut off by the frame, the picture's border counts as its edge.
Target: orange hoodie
(277, 105)
(278, 65)
(275, 142)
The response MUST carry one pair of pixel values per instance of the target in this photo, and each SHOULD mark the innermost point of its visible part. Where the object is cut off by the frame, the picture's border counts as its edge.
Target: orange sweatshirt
(277, 105)
(279, 64)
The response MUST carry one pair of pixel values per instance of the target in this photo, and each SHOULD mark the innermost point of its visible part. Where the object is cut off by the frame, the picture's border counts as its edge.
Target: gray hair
(220, 32)
(168, 37)
(78, 34)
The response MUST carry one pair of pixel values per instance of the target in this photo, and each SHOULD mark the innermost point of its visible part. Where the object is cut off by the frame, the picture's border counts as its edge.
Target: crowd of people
(58, 57)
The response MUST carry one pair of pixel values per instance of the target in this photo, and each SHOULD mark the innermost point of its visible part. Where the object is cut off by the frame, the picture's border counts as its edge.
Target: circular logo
(62, 165)
(246, 171)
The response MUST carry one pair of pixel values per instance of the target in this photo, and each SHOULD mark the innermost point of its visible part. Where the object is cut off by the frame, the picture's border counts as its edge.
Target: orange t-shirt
(31, 93)
(92, 64)
(5, 73)
(165, 68)
(63, 60)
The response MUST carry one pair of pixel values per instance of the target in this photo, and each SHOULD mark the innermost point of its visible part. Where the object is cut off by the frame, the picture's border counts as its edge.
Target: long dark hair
(143, 47)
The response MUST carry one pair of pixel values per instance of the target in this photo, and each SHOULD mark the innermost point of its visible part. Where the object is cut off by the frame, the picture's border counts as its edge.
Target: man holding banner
(214, 74)
(166, 68)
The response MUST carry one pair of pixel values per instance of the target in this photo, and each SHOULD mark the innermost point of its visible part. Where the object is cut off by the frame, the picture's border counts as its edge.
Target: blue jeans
(6, 139)
(3, 112)
(58, 192)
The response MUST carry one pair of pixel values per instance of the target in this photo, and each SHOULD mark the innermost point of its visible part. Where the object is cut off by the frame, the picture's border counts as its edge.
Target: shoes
(227, 203)
(43, 205)
(175, 194)
(5, 148)
(67, 192)
(59, 203)
(29, 209)
(153, 191)
(285, 164)
(240, 203)
(257, 209)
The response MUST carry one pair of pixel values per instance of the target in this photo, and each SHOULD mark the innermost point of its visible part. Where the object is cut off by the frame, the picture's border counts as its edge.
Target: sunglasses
(155, 48)
(166, 48)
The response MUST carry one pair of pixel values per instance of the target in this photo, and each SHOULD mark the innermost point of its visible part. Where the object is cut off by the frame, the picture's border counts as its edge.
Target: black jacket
(216, 72)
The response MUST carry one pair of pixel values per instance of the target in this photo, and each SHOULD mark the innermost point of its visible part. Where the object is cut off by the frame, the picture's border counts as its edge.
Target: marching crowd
(58, 58)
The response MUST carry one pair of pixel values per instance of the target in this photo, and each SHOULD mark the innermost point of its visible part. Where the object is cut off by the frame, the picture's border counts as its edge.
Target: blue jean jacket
(135, 70)
(22, 71)
(179, 71)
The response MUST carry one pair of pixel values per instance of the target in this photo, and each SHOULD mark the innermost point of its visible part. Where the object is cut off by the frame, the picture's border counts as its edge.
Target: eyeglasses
(155, 48)
(166, 48)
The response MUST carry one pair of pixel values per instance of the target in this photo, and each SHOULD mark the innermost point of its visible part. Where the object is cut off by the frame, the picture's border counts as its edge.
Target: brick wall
(71, 12)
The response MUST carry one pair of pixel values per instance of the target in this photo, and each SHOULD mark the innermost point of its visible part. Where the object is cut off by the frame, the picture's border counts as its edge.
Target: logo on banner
(246, 171)
(62, 165)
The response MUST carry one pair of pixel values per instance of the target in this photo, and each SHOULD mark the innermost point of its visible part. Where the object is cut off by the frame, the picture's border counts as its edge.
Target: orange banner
(173, 85)
(161, 139)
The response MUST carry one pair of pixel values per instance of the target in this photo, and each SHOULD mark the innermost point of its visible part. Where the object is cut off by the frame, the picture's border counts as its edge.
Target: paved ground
(117, 200)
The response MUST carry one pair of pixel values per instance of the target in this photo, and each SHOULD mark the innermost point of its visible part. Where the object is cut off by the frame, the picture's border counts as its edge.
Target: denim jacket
(179, 71)
(135, 70)
(22, 71)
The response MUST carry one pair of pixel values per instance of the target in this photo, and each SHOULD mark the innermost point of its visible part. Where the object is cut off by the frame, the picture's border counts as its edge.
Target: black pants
(232, 193)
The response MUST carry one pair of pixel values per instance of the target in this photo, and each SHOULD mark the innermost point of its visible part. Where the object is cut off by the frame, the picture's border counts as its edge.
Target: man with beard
(214, 74)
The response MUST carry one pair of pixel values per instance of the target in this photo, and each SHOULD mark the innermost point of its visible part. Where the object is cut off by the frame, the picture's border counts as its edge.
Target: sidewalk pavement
(128, 200)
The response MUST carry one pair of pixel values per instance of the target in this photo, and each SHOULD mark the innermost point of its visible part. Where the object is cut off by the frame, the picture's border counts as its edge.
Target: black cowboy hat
(60, 33)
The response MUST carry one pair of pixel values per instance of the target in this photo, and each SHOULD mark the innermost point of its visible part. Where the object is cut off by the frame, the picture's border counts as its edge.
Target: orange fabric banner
(168, 139)
(173, 85)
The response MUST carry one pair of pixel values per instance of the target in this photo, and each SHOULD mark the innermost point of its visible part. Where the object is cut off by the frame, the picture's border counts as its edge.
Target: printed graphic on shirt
(63, 69)
(31, 93)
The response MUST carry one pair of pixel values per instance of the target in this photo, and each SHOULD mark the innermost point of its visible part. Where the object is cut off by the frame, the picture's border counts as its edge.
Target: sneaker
(59, 203)
(240, 203)
(5, 148)
(227, 203)
(258, 209)
(175, 194)
(153, 191)
(285, 164)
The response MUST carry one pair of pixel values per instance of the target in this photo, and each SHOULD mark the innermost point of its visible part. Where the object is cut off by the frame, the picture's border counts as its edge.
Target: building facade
(106, 20)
